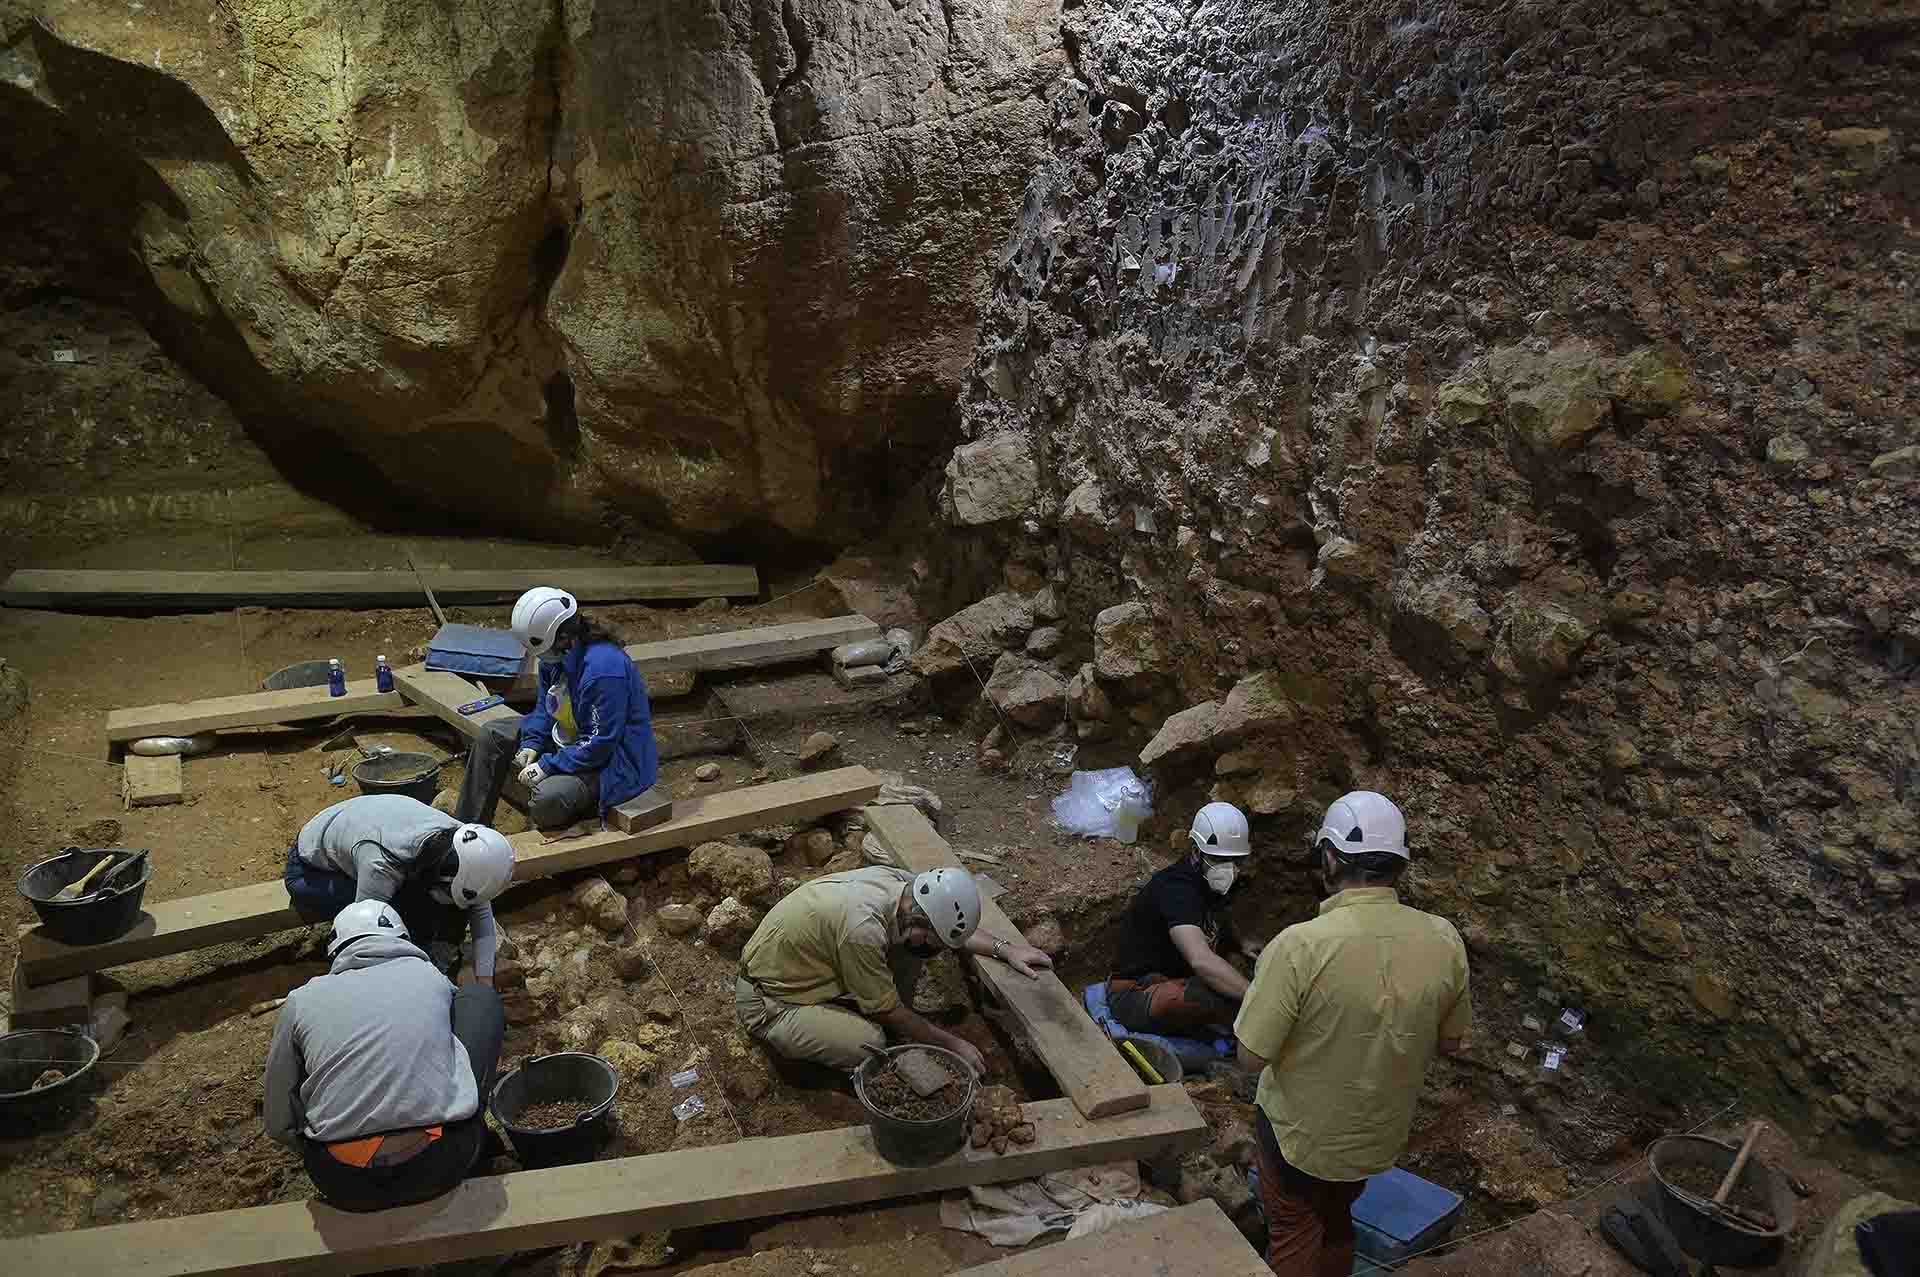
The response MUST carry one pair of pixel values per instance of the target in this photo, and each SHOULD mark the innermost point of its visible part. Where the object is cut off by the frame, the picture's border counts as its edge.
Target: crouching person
(831, 969)
(380, 1069)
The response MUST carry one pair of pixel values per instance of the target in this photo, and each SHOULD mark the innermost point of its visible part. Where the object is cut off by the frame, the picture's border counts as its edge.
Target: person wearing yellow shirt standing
(1344, 1014)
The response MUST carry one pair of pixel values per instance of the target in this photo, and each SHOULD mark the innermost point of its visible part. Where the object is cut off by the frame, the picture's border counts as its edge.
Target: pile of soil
(554, 1115)
(893, 1095)
(48, 1079)
(1704, 1181)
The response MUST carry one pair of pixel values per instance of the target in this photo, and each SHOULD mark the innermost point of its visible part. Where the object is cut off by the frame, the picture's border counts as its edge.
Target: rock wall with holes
(549, 264)
(1511, 408)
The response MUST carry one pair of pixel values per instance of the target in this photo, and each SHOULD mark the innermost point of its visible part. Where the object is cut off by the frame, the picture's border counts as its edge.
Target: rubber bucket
(399, 772)
(25, 1055)
(544, 1079)
(1161, 1057)
(97, 917)
(1709, 1236)
(905, 1142)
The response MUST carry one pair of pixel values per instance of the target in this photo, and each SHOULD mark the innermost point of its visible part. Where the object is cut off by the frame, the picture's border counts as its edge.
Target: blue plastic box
(1399, 1215)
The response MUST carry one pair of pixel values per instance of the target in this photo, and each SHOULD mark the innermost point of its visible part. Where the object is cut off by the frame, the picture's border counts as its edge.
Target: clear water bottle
(336, 678)
(382, 676)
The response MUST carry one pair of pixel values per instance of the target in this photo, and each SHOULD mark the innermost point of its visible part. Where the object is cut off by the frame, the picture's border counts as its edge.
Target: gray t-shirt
(376, 840)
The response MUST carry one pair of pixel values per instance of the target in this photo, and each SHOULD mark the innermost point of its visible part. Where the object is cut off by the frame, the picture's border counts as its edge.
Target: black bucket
(544, 1079)
(1704, 1233)
(905, 1142)
(399, 772)
(25, 1055)
(99, 916)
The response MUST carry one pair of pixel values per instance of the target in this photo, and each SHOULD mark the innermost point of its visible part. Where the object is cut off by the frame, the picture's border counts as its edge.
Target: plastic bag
(691, 1107)
(1104, 804)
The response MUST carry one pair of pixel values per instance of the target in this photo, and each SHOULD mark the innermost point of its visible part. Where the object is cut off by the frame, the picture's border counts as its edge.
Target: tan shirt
(1347, 1010)
(829, 939)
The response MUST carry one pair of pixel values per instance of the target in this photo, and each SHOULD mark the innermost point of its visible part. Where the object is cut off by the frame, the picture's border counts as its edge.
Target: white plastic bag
(1104, 804)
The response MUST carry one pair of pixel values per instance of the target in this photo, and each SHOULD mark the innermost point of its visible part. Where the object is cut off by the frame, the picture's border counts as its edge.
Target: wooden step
(529, 1210)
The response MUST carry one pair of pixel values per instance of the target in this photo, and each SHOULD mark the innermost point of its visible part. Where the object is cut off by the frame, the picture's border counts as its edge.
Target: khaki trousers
(829, 1033)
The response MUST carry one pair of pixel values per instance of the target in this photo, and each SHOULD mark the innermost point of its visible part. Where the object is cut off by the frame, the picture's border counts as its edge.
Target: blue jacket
(615, 736)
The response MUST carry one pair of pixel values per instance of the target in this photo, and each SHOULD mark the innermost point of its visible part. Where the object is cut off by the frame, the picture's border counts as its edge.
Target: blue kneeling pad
(1398, 1215)
(476, 649)
(1194, 1055)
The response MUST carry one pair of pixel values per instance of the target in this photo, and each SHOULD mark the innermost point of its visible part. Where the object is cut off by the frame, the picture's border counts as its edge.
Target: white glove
(525, 756)
(532, 774)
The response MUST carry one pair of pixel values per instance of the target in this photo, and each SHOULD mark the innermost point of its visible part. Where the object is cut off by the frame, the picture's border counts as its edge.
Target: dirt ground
(174, 1128)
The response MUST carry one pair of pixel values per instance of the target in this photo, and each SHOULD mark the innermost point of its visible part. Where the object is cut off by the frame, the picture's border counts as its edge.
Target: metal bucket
(905, 1142)
(1705, 1234)
(97, 917)
(566, 1075)
(399, 772)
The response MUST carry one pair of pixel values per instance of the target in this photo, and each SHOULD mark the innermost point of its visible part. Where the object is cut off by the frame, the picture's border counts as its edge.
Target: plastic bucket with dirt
(29, 1093)
(1689, 1169)
(913, 1130)
(105, 912)
(399, 772)
(581, 1081)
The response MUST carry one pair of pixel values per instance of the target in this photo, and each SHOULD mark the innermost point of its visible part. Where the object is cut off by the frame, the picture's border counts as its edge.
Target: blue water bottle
(336, 678)
(382, 676)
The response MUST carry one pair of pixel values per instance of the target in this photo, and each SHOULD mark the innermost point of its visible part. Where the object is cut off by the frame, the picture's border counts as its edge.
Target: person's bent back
(379, 1069)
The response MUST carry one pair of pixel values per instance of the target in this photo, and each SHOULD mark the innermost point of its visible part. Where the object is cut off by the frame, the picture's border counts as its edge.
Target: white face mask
(1220, 878)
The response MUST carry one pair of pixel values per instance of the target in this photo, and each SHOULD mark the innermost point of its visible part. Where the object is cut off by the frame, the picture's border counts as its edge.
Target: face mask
(923, 951)
(551, 657)
(1220, 878)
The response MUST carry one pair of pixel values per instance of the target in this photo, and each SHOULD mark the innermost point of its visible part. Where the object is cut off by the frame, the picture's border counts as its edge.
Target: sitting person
(588, 743)
(439, 875)
(380, 1070)
(1171, 976)
(831, 969)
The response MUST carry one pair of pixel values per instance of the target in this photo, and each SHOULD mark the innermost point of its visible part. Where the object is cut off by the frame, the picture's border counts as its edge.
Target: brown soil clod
(554, 1115)
(47, 1079)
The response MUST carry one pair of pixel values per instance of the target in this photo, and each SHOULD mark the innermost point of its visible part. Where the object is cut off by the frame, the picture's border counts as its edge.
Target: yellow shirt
(829, 939)
(1347, 1010)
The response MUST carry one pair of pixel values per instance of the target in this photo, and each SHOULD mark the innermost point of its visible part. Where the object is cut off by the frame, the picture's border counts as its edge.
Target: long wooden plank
(1196, 1240)
(241, 913)
(46, 588)
(251, 709)
(735, 649)
(1074, 1049)
(530, 1210)
(443, 693)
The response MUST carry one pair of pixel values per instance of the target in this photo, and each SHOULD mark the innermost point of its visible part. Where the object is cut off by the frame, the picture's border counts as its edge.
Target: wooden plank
(152, 782)
(50, 1006)
(619, 1197)
(1196, 1240)
(252, 709)
(739, 649)
(386, 588)
(241, 913)
(1075, 1049)
(443, 693)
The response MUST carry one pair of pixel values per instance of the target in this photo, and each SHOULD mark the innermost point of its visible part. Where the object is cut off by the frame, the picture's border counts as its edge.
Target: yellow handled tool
(1147, 1070)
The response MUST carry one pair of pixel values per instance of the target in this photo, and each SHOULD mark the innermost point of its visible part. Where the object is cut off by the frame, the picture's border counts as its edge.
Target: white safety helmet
(1362, 822)
(365, 918)
(538, 616)
(482, 861)
(951, 900)
(1220, 829)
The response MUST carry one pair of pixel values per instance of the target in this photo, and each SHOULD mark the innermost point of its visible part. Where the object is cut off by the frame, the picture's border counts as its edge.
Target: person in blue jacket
(588, 744)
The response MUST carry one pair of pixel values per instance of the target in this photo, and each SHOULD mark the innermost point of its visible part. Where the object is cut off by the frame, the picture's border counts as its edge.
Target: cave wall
(1511, 408)
(553, 265)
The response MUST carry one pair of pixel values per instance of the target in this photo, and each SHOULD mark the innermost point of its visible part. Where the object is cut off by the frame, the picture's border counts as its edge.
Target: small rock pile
(998, 1120)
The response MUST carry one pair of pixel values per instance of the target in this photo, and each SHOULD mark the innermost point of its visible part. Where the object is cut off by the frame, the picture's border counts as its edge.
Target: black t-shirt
(1177, 896)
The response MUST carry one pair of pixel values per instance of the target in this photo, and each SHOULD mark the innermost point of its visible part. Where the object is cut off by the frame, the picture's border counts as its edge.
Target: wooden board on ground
(1074, 1049)
(443, 693)
(531, 1210)
(387, 588)
(643, 811)
(50, 1006)
(1197, 1240)
(152, 782)
(733, 649)
(252, 709)
(241, 913)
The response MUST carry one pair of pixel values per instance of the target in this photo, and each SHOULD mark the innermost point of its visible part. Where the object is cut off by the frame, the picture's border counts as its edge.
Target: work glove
(532, 774)
(525, 756)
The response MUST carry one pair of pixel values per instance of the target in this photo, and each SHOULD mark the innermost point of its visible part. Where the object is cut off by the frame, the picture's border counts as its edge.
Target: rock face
(730, 870)
(1030, 693)
(977, 633)
(694, 266)
(1457, 383)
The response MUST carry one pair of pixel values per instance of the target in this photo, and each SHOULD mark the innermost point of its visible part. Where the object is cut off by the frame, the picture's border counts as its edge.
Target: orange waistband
(361, 1152)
